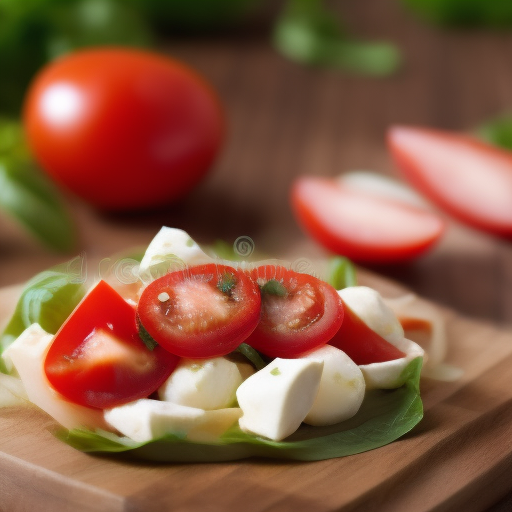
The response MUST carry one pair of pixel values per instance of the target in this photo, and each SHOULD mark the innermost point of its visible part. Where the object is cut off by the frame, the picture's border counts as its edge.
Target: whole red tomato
(123, 129)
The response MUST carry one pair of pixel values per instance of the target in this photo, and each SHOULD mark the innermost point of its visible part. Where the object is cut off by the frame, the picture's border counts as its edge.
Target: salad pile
(207, 359)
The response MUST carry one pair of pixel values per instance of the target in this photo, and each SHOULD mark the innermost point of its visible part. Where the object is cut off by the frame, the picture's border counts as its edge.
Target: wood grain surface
(457, 458)
(285, 120)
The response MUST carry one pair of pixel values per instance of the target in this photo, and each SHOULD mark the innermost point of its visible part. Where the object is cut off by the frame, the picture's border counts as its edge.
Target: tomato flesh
(362, 344)
(298, 312)
(362, 226)
(97, 358)
(201, 312)
(471, 180)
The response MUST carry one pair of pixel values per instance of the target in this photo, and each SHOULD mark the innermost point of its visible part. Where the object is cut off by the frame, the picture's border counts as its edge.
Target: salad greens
(309, 33)
(491, 13)
(341, 273)
(497, 131)
(47, 299)
(27, 195)
(384, 417)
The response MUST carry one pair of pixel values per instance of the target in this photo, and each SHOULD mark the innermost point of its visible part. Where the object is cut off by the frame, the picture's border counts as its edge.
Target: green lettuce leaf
(497, 131)
(309, 33)
(47, 299)
(341, 273)
(384, 416)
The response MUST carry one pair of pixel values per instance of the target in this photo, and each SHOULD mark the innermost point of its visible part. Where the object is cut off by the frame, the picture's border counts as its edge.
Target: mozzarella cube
(276, 399)
(171, 249)
(205, 383)
(27, 354)
(341, 390)
(145, 420)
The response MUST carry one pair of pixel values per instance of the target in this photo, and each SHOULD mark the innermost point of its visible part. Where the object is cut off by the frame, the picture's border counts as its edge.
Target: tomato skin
(468, 178)
(362, 344)
(123, 129)
(97, 358)
(361, 226)
(198, 320)
(319, 307)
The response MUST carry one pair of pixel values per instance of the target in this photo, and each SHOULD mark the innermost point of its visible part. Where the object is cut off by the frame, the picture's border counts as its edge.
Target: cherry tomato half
(298, 312)
(97, 358)
(122, 128)
(468, 178)
(362, 344)
(201, 312)
(360, 225)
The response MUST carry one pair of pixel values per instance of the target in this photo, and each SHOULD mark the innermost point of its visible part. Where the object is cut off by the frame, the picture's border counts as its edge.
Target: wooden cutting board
(458, 458)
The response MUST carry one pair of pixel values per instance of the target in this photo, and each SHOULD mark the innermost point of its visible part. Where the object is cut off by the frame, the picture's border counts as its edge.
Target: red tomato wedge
(362, 344)
(298, 312)
(97, 358)
(468, 178)
(362, 226)
(201, 312)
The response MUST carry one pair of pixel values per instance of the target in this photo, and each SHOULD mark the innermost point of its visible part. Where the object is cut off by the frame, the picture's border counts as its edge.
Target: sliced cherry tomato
(468, 178)
(298, 312)
(97, 358)
(362, 344)
(362, 226)
(201, 312)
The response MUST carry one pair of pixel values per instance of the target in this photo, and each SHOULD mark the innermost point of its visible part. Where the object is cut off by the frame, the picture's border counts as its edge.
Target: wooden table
(285, 120)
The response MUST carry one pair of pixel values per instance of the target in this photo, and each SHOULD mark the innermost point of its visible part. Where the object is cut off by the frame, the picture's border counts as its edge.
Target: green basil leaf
(384, 417)
(47, 299)
(29, 196)
(81, 23)
(492, 13)
(252, 355)
(341, 273)
(308, 33)
(221, 249)
(497, 131)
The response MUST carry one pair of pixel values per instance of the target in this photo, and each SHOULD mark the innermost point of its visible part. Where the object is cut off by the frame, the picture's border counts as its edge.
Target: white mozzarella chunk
(382, 186)
(145, 420)
(12, 391)
(342, 388)
(27, 354)
(276, 399)
(370, 307)
(172, 248)
(205, 383)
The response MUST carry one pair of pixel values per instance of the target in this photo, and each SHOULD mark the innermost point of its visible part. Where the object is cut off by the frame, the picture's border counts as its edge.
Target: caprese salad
(212, 360)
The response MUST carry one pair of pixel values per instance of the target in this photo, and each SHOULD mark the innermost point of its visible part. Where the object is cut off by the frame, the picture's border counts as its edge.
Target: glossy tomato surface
(362, 344)
(298, 312)
(362, 226)
(97, 358)
(121, 128)
(468, 178)
(201, 312)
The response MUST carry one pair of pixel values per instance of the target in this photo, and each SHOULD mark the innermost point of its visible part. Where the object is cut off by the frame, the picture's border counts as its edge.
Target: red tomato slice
(468, 178)
(362, 226)
(298, 312)
(201, 312)
(362, 344)
(97, 358)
